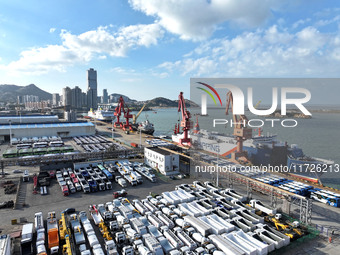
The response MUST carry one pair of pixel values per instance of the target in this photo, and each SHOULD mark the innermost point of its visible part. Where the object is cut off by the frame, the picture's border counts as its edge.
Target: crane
(135, 116)
(197, 126)
(186, 124)
(241, 132)
(118, 111)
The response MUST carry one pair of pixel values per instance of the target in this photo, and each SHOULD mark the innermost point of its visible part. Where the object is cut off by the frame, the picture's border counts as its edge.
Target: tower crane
(241, 132)
(186, 123)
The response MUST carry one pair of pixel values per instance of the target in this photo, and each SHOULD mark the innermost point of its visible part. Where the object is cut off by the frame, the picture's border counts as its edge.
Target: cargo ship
(101, 115)
(261, 149)
(146, 127)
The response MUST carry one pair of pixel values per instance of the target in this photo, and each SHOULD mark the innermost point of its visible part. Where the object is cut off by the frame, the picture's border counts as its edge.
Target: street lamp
(112, 129)
(10, 132)
(140, 138)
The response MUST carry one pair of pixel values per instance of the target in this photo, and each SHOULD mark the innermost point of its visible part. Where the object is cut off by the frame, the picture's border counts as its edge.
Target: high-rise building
(67, 96)
(105, 96)
(55, 99)
(83, 99)
(92, 88)
(76, 94)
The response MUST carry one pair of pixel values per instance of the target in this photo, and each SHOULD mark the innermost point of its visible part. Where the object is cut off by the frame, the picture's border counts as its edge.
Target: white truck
(153, 245)
(257, 204)
(111, 248)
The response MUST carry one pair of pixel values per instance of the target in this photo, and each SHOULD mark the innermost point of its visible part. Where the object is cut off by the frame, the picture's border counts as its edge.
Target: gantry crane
(186, 123)
(118, 111)
(241, 132)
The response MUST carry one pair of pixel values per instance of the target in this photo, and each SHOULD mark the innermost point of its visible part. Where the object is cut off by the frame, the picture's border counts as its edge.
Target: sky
(150, 48)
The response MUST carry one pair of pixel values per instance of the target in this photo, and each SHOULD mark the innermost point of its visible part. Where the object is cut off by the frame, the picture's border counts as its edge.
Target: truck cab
(65, 190)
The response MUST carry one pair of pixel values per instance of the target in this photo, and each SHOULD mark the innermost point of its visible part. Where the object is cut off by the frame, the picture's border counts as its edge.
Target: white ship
(102, 115)
(146, 127)
(261, 149)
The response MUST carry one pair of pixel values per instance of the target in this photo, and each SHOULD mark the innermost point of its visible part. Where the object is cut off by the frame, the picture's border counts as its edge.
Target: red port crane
(241, 132)
(118, 111)
(186, 124)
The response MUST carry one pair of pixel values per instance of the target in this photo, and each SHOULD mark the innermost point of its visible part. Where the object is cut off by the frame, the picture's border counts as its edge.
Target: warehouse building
(162, 160)
(62, 129)
(15, 119)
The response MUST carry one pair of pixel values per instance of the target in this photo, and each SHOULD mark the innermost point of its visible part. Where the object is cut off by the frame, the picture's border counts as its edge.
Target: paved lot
(55, 201)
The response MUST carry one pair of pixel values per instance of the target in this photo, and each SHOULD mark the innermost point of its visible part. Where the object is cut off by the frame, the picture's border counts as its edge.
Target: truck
(137, 177)
(79, 237)
(85, 186)
(153, 244)
(120, 193)
(106, 215)
(93, 186)
(257, 204)
(52, 233)
(65, 190)
(26, 239)
(127, 250)
(110, 247)
(38, 221)
(122, 182)
(97, 218)
(108, 184)
(101, 185)
(130, 179)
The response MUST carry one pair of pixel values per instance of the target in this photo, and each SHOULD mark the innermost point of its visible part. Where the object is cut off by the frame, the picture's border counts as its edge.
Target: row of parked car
(86, 180)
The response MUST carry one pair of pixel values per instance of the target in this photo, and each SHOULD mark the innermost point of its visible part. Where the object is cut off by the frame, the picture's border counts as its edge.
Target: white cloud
(264, 53)
(84, 47)
(52, 30)
(198, 19)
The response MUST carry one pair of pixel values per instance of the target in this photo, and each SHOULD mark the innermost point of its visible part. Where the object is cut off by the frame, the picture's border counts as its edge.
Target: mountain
(165, 102)
(9, 93)
(126, 98)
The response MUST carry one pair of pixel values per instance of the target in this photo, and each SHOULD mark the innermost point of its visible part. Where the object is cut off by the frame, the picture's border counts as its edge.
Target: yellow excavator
(292, 230)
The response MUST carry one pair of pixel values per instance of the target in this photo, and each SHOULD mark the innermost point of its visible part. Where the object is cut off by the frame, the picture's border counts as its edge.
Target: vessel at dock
(101, 115)
(146, 127)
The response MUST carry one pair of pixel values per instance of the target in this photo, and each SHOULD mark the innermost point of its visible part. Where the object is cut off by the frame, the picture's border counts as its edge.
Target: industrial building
(15, 119)
(62, 129)
(162, 160)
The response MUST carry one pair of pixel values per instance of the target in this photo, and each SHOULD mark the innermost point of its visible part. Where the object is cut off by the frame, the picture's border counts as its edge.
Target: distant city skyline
(147, 48)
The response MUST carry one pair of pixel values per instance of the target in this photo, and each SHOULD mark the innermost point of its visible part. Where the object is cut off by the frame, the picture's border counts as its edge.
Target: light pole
(140, 138)
(10, 132)
(217, 170)
(112, 129)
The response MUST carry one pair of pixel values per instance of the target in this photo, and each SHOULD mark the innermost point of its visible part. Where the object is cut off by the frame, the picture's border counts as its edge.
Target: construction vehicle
(63, 229)
(67, 247)
(292, 230)
(52, 233)
(241, 132)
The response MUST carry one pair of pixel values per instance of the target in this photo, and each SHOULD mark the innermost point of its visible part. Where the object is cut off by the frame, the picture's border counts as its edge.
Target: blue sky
(150, 48)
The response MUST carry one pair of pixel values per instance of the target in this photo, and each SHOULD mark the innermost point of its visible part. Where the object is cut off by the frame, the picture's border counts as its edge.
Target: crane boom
(135, 116)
